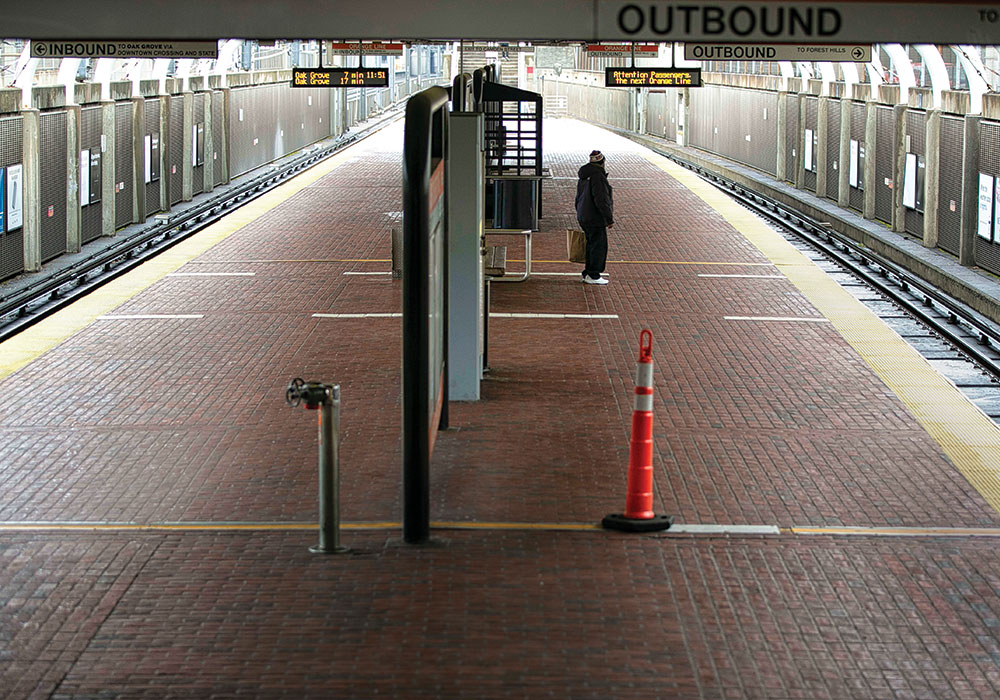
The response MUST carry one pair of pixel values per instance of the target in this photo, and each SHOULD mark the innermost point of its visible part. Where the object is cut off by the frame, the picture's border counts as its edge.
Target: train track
(958, 341)
(51, 292)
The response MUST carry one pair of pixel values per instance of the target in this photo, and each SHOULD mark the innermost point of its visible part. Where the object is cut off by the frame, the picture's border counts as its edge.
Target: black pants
(597, 250)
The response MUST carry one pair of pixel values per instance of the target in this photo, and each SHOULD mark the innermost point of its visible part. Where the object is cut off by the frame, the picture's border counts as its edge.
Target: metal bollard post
(325, 397)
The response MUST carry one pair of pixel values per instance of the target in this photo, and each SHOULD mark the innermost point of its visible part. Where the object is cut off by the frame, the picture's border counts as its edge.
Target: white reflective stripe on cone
(643, 402)
(644, 374)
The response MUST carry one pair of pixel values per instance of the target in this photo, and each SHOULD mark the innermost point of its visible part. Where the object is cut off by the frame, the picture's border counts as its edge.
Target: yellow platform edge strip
(38, 339)
(969, 438)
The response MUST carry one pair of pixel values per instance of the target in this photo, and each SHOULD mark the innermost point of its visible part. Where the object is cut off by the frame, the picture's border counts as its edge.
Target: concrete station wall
(948, 153)
(90, 167)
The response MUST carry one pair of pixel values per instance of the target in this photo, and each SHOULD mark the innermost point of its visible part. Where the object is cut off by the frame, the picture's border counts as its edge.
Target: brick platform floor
(183, 420)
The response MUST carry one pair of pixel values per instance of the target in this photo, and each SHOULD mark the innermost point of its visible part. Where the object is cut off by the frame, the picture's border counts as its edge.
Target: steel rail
(872, 269)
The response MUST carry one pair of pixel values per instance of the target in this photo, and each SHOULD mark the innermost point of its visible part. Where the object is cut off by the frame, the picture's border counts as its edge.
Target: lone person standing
(595, 210)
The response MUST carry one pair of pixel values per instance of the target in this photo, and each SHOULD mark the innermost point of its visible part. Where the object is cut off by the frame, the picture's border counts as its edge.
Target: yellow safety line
(31, 343)
(899, 531)
(655, 262)
(226, 526)
(260, 262)
(969, 438)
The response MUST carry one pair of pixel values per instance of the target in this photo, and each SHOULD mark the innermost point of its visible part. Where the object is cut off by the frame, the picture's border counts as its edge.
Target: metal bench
(496, 260)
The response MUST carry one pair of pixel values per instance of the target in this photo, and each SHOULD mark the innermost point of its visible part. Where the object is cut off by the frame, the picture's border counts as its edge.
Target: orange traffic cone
(638, 515)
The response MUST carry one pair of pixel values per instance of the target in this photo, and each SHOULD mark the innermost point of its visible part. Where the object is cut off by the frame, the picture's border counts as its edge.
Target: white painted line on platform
(563, 274)
(393, 315)
(725, 529)
(506, 315)
(212, 274)
(369, 273)
(131, 317)
(754, 277)
(806, 319)
(900, 531)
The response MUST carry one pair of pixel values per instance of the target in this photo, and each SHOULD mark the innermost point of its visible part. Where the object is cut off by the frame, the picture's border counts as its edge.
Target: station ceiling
(768, 21)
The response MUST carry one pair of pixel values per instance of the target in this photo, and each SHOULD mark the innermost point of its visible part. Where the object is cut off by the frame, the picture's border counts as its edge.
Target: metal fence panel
(856, 196)
(175, 154)
(885, 162)
(123, 164)
(915, 143)
(833, 164)
(91, 215)
(793, 135)
(987, 252)
(950, 184)
(217, 154)
(11, 242)
(52, 171)
(152, 126)
(811, 123)
(198, 171)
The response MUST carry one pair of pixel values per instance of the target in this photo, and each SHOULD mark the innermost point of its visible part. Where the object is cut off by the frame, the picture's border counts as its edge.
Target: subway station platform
(836, 500)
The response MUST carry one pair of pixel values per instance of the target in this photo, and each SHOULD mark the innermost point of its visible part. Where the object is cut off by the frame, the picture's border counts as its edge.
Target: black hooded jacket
(594, 202)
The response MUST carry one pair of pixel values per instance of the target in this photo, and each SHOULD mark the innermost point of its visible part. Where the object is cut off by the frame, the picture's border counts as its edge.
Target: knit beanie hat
(597, 157)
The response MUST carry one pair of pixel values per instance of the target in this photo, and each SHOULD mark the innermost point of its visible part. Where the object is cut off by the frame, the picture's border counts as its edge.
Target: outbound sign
(796, 22)
(124, 49)
(857, 53)
(652, 77)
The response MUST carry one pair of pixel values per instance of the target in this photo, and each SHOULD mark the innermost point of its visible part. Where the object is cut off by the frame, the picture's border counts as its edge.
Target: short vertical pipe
(329, 474)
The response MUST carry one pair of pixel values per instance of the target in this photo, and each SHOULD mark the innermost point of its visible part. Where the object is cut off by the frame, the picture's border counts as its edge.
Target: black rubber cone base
(617, 521)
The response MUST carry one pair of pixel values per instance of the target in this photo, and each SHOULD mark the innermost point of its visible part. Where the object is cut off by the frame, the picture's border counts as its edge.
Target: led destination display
(652, 77)
(340, 77)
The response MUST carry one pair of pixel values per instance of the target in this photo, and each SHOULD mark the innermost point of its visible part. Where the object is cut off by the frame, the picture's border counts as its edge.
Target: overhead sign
(858, 53)
(641, 50)
(652, 77)
(340, 77)
(368, 48)
(499, 48)
(124, 49)
(796, 22)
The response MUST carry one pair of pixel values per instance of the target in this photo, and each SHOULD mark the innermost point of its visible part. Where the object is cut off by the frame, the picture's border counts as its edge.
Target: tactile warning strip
(969, 438)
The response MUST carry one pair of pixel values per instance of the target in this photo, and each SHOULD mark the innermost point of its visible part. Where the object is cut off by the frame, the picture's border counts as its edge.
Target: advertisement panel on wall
(15, 197)
(985, 219)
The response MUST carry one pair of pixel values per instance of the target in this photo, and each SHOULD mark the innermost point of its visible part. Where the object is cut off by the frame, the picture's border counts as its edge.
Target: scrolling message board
(340, 77)
(652, 77)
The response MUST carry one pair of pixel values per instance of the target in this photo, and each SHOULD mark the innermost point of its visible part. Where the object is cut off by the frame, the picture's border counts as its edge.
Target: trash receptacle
(515, 203)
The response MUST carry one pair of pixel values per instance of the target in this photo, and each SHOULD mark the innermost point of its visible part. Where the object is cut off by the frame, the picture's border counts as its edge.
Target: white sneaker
(591, 280)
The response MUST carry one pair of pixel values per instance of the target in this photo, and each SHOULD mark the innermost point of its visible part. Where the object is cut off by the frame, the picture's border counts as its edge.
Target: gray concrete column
(208, 171)
(138, 159)
(108, 175)
(31, 197)
(780, 124)
(343, 111)
(844, 164)
(164, 146)
(683, 116)
(932, 176)
(871, 121)
(821, 155)
(970, 192)
(800, 138)
(187, 169)
(899, 169)
(225, 94)
(73, 206)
